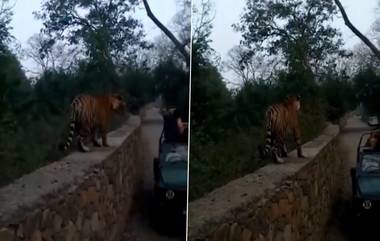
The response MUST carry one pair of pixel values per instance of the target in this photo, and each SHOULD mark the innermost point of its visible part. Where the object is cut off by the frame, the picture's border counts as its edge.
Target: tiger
(278, 119)
(90, 114)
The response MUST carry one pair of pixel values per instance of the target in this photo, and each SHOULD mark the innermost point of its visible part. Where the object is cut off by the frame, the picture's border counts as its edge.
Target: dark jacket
(171, 130)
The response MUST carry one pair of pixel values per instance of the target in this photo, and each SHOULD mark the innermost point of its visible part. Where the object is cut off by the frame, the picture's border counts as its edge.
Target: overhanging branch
(348, 23)
(170, 35)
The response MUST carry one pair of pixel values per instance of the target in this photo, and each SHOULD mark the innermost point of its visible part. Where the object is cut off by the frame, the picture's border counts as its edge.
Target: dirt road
(139, 228)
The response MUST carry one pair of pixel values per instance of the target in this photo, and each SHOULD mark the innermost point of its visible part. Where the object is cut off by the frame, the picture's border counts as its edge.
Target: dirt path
(139, 228)
(343, 227)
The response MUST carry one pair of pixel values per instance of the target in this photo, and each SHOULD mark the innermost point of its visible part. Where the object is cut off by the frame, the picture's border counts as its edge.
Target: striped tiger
(278, 119)
(89, 115)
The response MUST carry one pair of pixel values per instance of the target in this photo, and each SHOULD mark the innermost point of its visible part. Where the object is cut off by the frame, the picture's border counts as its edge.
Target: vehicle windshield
(174, 153)
(370, 163)
(174, 165)
(369, 185)
(175, 157)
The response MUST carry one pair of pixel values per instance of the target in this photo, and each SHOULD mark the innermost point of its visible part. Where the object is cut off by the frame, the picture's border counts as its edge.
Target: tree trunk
(348, 23)
(169, 34)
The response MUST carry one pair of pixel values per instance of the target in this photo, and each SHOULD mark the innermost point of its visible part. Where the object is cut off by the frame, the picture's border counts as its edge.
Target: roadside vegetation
(102, 49)
(303, 55)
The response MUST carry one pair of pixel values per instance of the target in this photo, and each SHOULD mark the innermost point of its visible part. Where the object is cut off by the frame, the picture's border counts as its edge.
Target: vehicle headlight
(367, 204)
(169, 194)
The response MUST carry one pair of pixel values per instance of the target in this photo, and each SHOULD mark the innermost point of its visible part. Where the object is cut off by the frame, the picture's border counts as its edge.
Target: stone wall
(83, 197)
(279, 202)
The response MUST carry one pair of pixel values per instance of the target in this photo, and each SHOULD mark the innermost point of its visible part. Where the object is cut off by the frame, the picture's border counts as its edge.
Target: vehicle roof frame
(361, 148)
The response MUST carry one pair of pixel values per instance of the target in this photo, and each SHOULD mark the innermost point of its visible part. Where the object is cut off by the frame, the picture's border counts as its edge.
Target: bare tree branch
(169, 34)
(58, 56)
(348, 23)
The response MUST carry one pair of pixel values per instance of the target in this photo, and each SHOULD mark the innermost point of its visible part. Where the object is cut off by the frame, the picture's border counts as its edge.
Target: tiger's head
(117, 102)
(293, 102)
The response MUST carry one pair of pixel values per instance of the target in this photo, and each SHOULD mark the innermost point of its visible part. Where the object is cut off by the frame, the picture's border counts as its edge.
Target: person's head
(373, 139)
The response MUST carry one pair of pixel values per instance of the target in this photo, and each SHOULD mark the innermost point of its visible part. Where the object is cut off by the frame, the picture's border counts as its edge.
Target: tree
(172, 82)
(182, 23)
(5, 19)
(202, 52)
(50, 55)
(367, 87)
(298, 30)
(164, 49)
(180, 46)
(257, 68)
(106, 29)
(363, 58)
(11, 75)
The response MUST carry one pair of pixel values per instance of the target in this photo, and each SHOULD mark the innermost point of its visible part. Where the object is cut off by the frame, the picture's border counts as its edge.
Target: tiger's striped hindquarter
(278, 119)
(82, 121)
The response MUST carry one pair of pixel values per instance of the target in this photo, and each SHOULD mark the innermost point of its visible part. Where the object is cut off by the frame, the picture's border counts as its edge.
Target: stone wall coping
(27, 193)
(227, 201)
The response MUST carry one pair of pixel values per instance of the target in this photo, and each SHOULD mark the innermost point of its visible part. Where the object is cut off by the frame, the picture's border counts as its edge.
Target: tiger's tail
(268, 138)
(65, 145)
(264, 150)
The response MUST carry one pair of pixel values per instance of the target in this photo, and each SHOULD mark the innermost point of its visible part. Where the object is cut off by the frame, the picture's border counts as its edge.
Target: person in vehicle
(175, 128)
(373, 141)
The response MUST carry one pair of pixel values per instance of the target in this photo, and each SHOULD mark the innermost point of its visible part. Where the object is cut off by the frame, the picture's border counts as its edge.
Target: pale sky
(25, 25)
(362, 14)
(227, 12)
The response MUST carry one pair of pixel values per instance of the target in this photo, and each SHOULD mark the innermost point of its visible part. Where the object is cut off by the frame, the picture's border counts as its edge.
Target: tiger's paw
(284, 151)
(261, 152)
(83, 147)
(300, 154)
(278, 159)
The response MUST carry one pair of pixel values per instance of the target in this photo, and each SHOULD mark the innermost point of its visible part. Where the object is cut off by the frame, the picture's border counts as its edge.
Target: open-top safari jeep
(170, 182)
(365, 179)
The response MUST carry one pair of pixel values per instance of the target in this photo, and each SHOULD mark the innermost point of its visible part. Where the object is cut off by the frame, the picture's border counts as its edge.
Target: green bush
(227, 125)
(34, 118)
(367, 87)
(213, 164)
(172, 82)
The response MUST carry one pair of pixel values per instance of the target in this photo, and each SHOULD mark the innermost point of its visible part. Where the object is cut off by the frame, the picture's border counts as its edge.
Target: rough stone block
(222, 233)
(57, 223)
(47, 235)
(288, 233)
(246, 235)
(234, 234)
(6, 234)
(36, 236)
